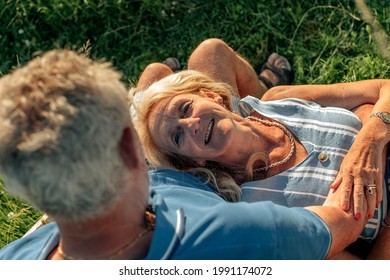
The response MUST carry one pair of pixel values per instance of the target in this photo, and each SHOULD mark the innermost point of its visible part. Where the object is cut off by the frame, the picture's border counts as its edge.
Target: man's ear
(213, 95)
(128, 148)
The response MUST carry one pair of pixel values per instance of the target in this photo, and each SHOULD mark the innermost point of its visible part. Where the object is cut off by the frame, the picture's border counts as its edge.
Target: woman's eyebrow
(174, 108)
(177, 104)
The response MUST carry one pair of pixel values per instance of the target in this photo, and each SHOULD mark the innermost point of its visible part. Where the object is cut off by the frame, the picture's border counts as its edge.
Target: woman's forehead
(172, 103)
(161, 108)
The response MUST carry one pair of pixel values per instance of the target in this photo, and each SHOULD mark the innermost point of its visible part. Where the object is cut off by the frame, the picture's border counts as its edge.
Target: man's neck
(108, 236)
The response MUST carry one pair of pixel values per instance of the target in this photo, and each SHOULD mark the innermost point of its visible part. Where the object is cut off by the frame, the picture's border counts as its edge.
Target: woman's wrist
(382, 129)
(376, 131)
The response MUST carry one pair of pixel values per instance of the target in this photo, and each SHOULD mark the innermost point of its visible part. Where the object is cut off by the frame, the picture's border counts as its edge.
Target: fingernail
(369, 216)
(376, 206)
(358, 216)
(344, 206)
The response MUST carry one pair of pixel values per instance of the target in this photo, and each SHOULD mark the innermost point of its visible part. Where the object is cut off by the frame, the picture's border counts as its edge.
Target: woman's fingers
(336, 183)
(358, 198)
(358, 190)
(346, 187)
(371, 194)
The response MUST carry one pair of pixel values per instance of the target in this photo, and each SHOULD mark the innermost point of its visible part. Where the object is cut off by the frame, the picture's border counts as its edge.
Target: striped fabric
(326, 133)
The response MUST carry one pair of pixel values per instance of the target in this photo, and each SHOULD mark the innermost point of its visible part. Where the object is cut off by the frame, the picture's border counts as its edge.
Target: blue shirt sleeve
(35, 246)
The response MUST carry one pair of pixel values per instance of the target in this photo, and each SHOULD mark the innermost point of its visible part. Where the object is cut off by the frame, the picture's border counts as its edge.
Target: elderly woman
(288, 151)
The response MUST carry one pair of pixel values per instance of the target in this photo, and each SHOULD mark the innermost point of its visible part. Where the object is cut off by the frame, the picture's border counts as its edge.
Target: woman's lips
(209, 132)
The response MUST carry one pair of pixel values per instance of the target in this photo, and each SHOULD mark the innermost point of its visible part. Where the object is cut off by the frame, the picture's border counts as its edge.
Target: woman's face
(193, 126)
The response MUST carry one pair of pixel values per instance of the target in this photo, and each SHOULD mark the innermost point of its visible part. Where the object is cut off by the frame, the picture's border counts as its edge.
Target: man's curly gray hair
(61, 119)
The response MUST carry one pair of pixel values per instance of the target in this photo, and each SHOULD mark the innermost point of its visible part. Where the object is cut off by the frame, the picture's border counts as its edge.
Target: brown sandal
(279, 71)
(173, 63)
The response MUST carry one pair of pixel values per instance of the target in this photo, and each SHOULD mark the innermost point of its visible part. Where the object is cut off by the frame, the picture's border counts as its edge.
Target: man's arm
(258, 230)
(344, 228)
(342, 225)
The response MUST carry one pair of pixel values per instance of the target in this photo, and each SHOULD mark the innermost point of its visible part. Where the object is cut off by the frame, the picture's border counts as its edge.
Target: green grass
(16, 217)
(327, 42)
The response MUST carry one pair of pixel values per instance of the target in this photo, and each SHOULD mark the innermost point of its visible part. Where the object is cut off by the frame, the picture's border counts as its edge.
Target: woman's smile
(209, 132)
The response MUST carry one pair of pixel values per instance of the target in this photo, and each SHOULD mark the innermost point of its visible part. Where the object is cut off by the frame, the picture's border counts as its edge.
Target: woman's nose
(191, 124)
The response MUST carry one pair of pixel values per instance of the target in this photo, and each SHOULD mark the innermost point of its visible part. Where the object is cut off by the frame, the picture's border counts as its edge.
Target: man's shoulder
(37, 245)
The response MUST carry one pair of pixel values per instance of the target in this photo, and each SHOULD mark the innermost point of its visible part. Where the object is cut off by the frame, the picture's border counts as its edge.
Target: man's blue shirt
(193, 222)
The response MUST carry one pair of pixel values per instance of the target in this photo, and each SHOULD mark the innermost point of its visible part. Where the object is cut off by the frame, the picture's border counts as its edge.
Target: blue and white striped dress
(327, 133)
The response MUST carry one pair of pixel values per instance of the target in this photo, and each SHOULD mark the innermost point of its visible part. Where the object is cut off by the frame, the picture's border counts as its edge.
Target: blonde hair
(61, 119)
(223, 179)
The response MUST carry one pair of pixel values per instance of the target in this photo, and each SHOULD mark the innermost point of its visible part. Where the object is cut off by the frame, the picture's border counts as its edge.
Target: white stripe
(331, 148)
(314, 176)
(321, 123)
(372, 225)
(308, 172)
(318, 126)
(283, 191)
(309, 105)
(350, 132)
(314, 169)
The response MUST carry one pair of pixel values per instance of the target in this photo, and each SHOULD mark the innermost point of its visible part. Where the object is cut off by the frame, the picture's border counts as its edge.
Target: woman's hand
(362, 167)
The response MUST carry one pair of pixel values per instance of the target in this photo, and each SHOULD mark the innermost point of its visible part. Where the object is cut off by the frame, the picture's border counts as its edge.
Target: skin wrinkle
(174, 112)
(157, 120)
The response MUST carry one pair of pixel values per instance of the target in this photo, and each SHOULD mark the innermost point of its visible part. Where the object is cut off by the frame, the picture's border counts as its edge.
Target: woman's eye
(176, 138)
(186, 107)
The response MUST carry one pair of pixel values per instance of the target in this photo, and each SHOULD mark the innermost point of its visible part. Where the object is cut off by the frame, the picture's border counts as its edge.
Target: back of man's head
(61, 119)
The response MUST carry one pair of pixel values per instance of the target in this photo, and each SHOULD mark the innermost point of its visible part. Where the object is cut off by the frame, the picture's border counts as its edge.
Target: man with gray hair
(68, 146)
